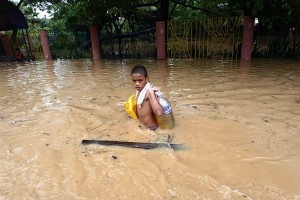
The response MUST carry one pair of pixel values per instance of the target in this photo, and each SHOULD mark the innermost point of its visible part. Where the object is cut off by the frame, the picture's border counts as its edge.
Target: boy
(148, 107)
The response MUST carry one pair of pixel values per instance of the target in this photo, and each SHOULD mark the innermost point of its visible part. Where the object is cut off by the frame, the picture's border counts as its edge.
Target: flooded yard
(239, 122)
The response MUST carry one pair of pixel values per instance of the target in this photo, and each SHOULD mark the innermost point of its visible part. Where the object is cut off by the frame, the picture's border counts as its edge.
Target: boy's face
(139, 81)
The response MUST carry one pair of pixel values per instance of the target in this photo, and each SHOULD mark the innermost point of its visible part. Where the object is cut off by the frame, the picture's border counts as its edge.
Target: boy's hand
(156, 107)
(153, 89)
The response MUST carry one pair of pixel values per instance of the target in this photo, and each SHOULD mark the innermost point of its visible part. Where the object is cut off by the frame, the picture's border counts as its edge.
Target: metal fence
(204, 38)
(196, 39)
(276, 43)
(132, 45)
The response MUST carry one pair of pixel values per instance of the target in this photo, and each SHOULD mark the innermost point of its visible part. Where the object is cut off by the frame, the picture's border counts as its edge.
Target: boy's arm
(156, 107)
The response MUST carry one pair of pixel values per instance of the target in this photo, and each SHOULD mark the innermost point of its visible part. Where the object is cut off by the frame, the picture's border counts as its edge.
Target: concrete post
(95, 42)
(247, 42)
(45, 45)
(161, 40)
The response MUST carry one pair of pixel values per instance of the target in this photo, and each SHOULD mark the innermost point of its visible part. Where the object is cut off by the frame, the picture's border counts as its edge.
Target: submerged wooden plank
(140, 145)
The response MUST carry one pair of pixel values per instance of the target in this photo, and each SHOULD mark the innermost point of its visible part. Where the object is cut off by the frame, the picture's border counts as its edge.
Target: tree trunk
(164, 10)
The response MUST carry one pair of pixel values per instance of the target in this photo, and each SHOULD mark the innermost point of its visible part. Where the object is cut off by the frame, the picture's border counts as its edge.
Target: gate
(131, 45)
(205, 38)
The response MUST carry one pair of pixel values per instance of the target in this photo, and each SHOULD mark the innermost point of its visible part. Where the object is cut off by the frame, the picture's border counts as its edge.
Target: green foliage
(77, 14)
(123, 16)
(277, 47)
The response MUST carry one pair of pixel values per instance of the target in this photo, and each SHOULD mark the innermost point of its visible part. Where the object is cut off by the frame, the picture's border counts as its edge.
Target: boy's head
(139, 77)
(139, 69)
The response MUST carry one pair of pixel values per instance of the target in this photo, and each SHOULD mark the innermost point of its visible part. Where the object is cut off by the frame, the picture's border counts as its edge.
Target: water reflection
(239, 120)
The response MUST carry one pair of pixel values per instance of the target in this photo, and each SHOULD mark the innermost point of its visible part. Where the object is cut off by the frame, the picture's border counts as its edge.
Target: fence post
(95, 42)
(161, 40)
(247, 42)
(45, 45)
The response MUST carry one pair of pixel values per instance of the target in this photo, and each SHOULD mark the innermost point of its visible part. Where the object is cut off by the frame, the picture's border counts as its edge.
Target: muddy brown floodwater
(239, 122)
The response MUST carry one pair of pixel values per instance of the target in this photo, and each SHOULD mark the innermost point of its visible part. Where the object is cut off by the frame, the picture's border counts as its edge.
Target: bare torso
(146, 114)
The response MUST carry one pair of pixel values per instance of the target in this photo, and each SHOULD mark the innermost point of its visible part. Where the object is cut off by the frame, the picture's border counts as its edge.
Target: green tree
(121, 16)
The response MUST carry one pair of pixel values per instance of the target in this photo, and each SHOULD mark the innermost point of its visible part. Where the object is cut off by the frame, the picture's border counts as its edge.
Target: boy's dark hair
(139, 69)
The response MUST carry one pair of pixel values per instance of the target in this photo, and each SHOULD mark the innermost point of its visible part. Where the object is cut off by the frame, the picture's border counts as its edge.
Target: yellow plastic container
(130, 106)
